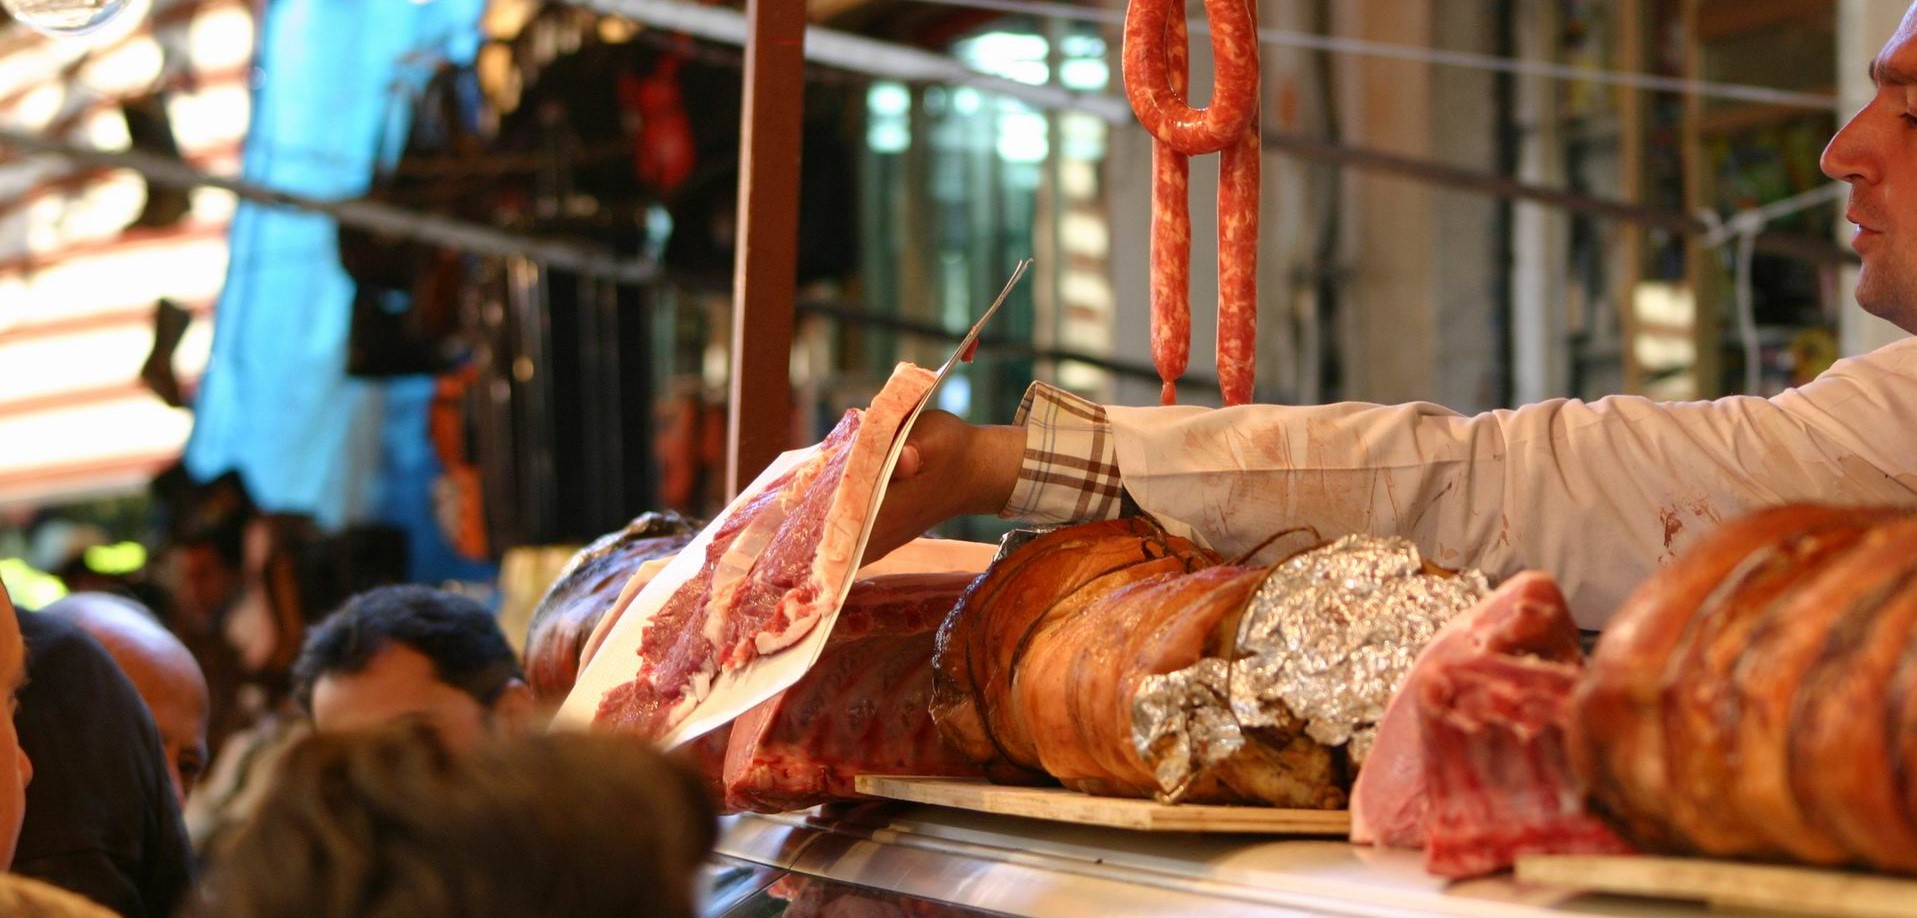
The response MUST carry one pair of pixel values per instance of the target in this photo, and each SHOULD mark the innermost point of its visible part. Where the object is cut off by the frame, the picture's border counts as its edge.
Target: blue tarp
(276, 403)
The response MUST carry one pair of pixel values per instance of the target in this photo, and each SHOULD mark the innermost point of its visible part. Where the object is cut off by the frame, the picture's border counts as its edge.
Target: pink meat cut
(815, 514)
(795, 579)
(1470, 758)
(863, 708)
(1496, 767)
(1526, 615)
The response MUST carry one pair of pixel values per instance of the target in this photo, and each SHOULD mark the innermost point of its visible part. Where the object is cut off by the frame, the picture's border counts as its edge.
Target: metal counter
(1006, 865)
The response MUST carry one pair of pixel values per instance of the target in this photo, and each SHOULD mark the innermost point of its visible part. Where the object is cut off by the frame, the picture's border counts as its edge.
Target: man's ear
(514, 711)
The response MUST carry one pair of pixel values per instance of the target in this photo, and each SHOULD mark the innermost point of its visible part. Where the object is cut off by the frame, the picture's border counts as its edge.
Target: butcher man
(1597, 493)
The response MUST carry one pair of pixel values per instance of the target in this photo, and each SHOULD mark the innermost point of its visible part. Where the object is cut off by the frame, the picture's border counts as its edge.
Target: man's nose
(1846, 158)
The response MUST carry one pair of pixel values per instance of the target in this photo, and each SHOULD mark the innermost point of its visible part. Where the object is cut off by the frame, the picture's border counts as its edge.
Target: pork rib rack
(1757, 697)
(861, 709)
(1470, 763)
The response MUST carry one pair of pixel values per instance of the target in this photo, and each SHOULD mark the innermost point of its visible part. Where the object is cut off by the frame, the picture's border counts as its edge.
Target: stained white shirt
(1598, 494)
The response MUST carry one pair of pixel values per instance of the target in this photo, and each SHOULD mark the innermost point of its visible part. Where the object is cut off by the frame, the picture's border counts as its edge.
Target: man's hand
(948, 469)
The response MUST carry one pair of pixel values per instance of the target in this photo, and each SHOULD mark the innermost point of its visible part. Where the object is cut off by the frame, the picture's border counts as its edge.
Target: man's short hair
(456, 633)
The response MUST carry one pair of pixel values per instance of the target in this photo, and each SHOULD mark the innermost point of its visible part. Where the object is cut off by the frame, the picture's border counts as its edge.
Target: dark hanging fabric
(405, 312)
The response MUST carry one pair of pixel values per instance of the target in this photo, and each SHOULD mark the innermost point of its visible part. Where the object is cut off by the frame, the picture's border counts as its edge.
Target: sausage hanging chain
(1156, 75)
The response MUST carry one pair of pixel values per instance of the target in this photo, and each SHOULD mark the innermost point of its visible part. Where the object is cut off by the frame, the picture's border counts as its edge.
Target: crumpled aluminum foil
(1325, 642)
(1333, 632)
(1182, 724)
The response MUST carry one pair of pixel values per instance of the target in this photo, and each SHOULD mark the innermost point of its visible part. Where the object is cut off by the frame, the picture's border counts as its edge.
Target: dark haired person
(413, 652)
(101, 816)
(396, 822)
(23, 897)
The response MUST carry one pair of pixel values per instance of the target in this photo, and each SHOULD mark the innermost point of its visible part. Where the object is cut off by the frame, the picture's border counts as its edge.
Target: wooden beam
(765, 272)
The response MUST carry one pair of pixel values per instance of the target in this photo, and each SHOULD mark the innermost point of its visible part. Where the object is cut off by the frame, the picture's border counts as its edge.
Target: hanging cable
(1744, 227)
(363, 214)
(1465, 59)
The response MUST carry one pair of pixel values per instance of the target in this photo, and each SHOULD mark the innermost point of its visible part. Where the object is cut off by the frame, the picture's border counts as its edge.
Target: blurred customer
(399, 823)
(21, 897)
(101, 816)
(162, 671)
(200, 561)
(413, 652)
(16, 769)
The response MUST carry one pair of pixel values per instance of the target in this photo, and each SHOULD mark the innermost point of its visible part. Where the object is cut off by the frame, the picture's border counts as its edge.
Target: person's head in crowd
(396, 822)
(162, 671)
(101, 816)
(15, 769)
(413, 652)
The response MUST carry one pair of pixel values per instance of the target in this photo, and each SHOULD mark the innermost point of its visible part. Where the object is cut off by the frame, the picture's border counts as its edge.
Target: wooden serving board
(1729, 884)
(1061, 805)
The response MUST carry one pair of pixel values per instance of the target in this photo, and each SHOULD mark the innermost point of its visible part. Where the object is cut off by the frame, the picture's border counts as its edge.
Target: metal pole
(765, 272)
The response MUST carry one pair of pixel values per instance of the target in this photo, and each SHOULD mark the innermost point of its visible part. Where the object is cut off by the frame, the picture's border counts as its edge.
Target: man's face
(399, 683)
(15, 770)
(161, 669)
(1877, 154)
(179, 706)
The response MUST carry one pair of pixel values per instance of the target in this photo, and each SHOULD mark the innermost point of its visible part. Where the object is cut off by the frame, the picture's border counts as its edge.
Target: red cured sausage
(1161, 106)
(1156, 74)
(1238, 176)
(1171, 238)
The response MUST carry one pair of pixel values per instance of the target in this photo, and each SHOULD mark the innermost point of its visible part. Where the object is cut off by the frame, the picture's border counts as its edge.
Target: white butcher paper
(736, 691)
(1597, 493)
(617, 660)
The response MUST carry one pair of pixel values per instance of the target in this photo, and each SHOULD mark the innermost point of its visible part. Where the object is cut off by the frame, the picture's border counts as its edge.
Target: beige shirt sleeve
(1596, 493)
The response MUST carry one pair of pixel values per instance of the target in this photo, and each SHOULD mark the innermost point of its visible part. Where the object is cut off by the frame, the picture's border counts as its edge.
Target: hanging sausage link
(1171, 237)
(1156, 77)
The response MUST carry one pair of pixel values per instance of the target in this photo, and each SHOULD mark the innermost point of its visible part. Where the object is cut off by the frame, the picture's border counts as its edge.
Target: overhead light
(65, 18)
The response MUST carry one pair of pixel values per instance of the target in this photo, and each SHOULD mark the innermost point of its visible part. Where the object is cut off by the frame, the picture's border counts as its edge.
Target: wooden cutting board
(1061, 805)
(1729, 884)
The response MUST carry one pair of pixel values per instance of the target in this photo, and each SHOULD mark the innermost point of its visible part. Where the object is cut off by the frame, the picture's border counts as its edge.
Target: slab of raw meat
(861, 709)
(794, 580)
(1471, 761)
(1526, 615)
(676, 660)
(771, 570)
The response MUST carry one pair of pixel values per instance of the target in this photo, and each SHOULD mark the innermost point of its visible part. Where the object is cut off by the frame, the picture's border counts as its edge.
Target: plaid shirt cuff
(1070, 469)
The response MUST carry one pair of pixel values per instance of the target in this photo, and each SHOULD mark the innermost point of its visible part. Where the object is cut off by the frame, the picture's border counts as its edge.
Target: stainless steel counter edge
(1049, 870)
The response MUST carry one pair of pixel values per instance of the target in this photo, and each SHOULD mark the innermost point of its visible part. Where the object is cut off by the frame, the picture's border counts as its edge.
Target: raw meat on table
(1470, 762)
(1495, 768)
(861, 709)
(1526, 615)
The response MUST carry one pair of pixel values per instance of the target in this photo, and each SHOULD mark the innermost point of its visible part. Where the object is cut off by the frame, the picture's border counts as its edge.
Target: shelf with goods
(1739, 155)
(1650, 310)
